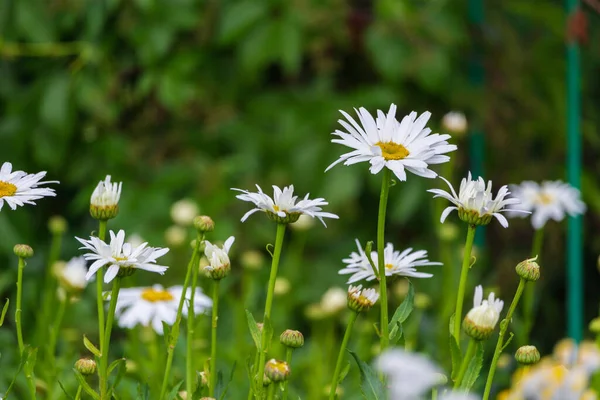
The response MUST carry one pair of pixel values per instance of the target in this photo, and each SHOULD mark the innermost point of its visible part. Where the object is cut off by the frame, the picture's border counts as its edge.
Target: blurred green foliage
(188, 98)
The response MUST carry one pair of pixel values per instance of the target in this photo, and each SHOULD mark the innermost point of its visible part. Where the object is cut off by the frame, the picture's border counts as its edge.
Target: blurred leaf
(173, 393)
(221, 390)
(473, 369)
(90, 346)
(54, 108)
(238, 18)
(86, 387)
(65, 390)
(143, 391)
(404, 309)
(344, 372)
(456, 357)
(256, 335)
(371, 386)
(389, 54)
(4, 310)
(290, 44)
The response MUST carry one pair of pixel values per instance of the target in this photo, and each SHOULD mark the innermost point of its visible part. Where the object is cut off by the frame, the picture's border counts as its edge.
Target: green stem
(191, 324)
(99, 300)
(500, 343)
(271, 393)
(213, 340)
(109, 323)
(340, 359)
(49, 295)
(529, 295)
(383, 200)
(465, 363)
(463, 282)
(288, 360)
(78, 394)
(18, 311)
(269, 302)
(172, 341)
(52, 344)
(434, 394)
(250, 391)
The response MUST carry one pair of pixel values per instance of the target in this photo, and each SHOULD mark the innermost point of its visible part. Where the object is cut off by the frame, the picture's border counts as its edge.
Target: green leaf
(370, 385)
(268, 330)
(90, 346)
(456, 357)
(344, 372)
(396, 333)
(510, 338)
(239, 18)
(167, 333)
(65, 391)
(121, 363)
(4, 310)
(172, 395)
(143, 392)
(226, 386)
(253, 329)
(115, 364)
(473, 369)
(404, 309)
(88, 389)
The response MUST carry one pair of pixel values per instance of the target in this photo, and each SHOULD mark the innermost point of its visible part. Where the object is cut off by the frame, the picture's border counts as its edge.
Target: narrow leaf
(90, 346)
(143, 391)
(65, 391)
(370, 385)
(456, 357)
(253, 329)
(404, 309)
(226, 387)
(172, 395)
(473, 369)
(4, 310)
(344, 372)
(167, 333)
(88, 389)
(114, 364)
(510, 338)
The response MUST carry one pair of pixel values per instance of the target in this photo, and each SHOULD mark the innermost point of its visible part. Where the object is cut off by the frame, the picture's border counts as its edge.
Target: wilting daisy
(396, 263)
(387, 143)
(71, 275)
(121, 257)
(360, 299)
(151, 306)
(475, 202)
(218, 258)
(480, 321)
(548, 200)
(409, 375)
(284, 207)
(18, 188)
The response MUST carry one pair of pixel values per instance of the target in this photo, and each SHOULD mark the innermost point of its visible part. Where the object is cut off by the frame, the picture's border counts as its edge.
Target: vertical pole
(574, 231)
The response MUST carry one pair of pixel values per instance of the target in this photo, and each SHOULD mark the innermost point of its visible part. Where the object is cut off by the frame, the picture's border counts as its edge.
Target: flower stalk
(288, 360)
(463, 282)
(471, 348)
(18, 312)
(529, 295)
(213, 340)
(340, 358)
(383, 200)
(104, 394)
(191, 323)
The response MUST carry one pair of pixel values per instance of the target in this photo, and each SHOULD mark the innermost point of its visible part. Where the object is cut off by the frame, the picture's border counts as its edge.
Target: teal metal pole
(574, 230)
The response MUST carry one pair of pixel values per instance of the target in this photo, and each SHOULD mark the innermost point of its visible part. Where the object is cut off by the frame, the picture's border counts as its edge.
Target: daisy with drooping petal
(396, 263)
(360, 299)
(480, 321)
(121, 257)
(548, 200)
(284, 208)
(151, 306)
(104, 203)
(475, 202)
(18, 188)
(387, 143)
(218, 258)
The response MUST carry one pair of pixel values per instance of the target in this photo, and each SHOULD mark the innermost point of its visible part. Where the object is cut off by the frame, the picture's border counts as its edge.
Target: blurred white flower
(481, 320)
(175, 236)
(135, 240)
(120, 255)
(387, 143)
(396, 263)
(334, 300)
(18, 188)
(409, 375)
(548, 200)
(184, 211)
(282, 286)
(71, 275)
(448, 395)
(475, 202)
(284, 207)
(304, 223)
(106, 194)
(151, 306)
(220, 265)
(455, 122)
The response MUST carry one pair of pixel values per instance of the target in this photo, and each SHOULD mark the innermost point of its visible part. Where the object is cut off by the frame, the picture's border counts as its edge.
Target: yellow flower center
(545, 198)
(156, 295)
(120, 258)
(276, 208)
(389, 266)
(7, 189)
(392, 151)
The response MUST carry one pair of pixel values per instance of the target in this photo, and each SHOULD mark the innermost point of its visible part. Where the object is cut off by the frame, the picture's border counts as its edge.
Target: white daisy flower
(475, 202)
(480, 321)
(220, 265)
(151, 306)
(284, 207)
(396, 263)
(409, 375)
(548, 200)
(18, 188)
(385, 142)
(121, 257)
(71, 275)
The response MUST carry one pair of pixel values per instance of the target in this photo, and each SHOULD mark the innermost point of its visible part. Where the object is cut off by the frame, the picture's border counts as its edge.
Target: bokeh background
(186, 99)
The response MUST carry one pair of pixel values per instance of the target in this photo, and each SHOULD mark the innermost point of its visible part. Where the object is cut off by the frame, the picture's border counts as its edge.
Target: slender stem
(54, 333)
(109, 323)
(500, 343)
(175, 329)
(18, 311)
(99, 300)
(271, 393)
(434, 394)
(463, 282)
(191, 324)
(78, 394)
(383, 200)
(250, 391)
(269, 302)
(465, 363)
(49, 295)
(288, 360)
(213, 344)
(529, 295)
(340, 359)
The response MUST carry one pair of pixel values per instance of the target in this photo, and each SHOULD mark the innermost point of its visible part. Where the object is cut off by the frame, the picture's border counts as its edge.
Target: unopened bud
(277, 371)
(85, 366)
(23, 251)
(57, 225)
(291, 338)
(528, 269)
(204, 223)
(527, 355)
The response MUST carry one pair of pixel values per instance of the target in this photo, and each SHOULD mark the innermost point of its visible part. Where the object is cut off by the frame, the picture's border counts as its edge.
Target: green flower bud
(527, 355)
(291, 338)
(528, 269)
(204, 223)
(126, 271)
(473, 217)
(104, 213)
(289, 218)
(23, 251)
(85, 366)
(57, 225)
(277, 371)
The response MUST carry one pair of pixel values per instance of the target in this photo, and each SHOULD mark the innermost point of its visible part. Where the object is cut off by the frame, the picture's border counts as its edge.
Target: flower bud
(334, 301)
(57, 225)
(183, 212)
(291, 338)
(104, 204)
(23, 251)
(204, 223)
(473, 217)
(175, 236)
(595, 325)
(455, 122)
(481, 320)
(282, 286)
(85, 366)
(220, 265)
(527, 355)
(277, 371)
(203, 379)
(528, 269)
(360, 299)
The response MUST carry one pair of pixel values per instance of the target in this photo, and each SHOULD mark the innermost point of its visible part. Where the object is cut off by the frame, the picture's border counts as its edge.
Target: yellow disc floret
(153, 295)
(392, 151)
(7, 189)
